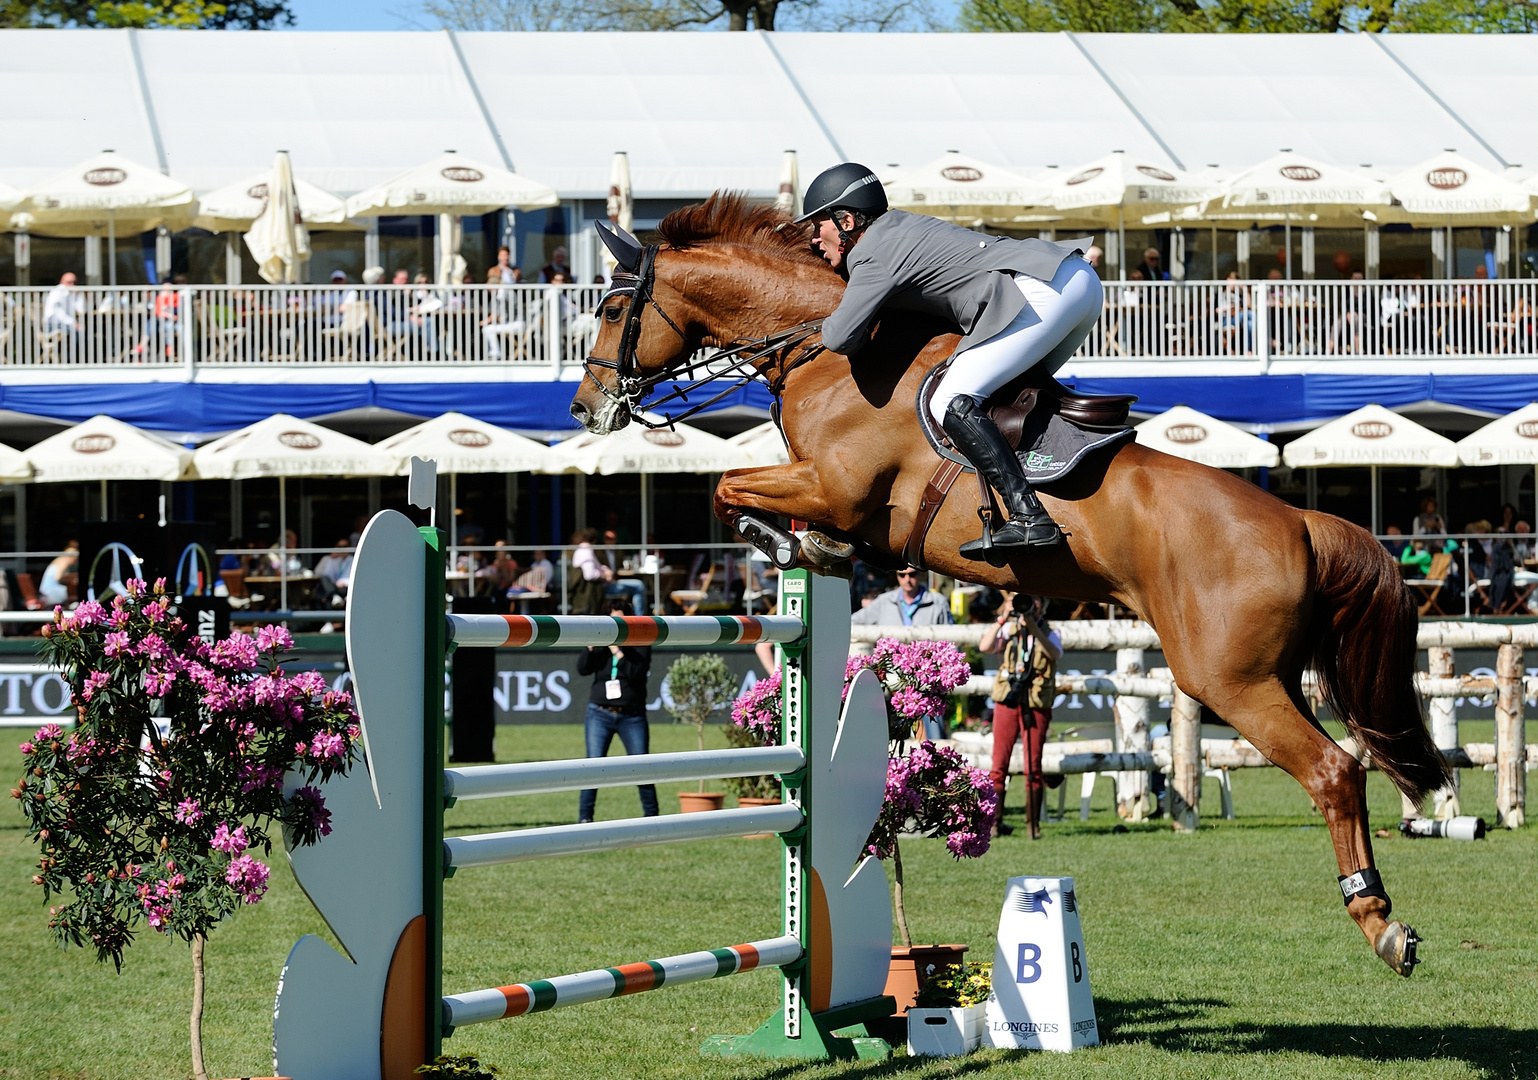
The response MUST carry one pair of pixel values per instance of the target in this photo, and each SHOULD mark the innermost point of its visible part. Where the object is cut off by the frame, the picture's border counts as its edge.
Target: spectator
(617, 586)
(1395, 547)
(1417, 556)
(910, 604)
(616, 706)
(1508, 520)
(1152, 266)
(230, 560)
(63, 306)
(499, 322)
(335, 574)
(274, 558)
(501, 573)
(1093, 256)
(53, 589)
(587, 596)
(541, 561)
(507, 273)
(1523, 549)
(558, 264)
(1428, 522)
(1023, 692)
(1503, 568)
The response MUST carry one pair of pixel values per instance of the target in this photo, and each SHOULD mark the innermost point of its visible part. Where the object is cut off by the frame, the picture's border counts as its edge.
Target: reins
(633, 388)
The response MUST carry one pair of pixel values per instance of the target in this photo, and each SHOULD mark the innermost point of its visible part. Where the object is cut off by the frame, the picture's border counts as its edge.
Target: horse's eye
(611, 314)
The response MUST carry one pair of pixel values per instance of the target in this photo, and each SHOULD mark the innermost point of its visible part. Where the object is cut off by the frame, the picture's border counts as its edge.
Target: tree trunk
(699, 738)
(763, 14)
(198, 1069)
(737, 13)
(897, 896)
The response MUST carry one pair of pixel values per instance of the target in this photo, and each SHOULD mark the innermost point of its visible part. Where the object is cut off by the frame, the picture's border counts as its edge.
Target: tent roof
(638, 449)
(284, 445)
(102, 448)
(1371, 436)
(1187, 433)
(1509, 440)
(703, 111)
(463, 444)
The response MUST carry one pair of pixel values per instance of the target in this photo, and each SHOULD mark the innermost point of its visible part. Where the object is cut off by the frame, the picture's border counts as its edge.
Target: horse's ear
(625, 248)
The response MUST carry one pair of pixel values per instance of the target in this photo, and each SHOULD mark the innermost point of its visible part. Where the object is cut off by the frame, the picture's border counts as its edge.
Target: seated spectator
(335, 574)
(1417, 556)
(63, 306)
(1152, 266)
(558, 264)
(1428, 522)
(1522, 548)
(273, 560)
(1395, 547)
(231, 561)
(499, 322)
(507, 273)
(53, 590)
(501, 573)
(626, 588)
(588, 593)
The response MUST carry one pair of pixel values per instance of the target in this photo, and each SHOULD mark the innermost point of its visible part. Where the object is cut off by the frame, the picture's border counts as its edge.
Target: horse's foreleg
(1337, 783)
(792, 491)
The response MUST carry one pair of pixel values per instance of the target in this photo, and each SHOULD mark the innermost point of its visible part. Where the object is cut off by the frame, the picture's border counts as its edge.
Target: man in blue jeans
(616, 706)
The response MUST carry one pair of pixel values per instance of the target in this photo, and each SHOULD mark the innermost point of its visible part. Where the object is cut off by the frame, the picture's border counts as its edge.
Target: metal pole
(283, 542)
(1374, 470)
(104, 515)
(112, 253)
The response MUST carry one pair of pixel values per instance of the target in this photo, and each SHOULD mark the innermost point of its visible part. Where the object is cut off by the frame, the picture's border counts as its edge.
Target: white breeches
(1057, 316)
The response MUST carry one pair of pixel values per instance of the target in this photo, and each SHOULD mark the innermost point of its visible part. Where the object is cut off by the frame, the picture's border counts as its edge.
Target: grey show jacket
(918, 263)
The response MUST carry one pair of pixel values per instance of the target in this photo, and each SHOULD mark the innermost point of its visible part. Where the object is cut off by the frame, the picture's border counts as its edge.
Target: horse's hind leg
(1274, 722)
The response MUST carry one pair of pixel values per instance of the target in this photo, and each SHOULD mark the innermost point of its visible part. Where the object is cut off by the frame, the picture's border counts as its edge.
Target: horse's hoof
(1396, 947)
(820, 549)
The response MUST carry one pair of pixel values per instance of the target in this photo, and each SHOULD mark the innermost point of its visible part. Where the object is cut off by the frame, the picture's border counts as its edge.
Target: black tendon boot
(975, 435)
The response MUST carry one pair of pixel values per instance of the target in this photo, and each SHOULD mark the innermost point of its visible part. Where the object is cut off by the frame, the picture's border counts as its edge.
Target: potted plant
(930, 789)
(185, 759)
(699, 686)
(949, 1017)
(756, 722)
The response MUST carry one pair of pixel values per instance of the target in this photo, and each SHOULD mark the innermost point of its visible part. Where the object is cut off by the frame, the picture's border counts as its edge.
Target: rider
(1017, 302)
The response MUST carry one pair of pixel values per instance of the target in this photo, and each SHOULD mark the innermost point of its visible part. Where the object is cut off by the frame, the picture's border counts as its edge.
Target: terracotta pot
(912, 966)
(693, 802)
(749, 800)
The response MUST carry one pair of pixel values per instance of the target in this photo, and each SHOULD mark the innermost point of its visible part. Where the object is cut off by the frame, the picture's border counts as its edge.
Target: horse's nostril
(578, 411)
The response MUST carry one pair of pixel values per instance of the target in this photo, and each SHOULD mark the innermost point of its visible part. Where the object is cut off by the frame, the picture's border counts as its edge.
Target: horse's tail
(1363, 651)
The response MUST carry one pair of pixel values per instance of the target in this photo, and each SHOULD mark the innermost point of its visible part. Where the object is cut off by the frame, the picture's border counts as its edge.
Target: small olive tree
(700, 687)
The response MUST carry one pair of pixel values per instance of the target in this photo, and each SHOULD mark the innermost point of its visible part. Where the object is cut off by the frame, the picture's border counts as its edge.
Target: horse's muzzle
(610, 417)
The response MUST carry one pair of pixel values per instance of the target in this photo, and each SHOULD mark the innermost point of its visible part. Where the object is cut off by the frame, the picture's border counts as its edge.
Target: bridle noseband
(632, 387)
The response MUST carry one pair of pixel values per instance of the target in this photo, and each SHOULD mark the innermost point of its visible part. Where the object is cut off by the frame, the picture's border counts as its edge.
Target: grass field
(1225, 954)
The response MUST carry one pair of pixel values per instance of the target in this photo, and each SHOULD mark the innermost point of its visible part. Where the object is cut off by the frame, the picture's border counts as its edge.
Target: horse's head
(727, 269)
(638, 340)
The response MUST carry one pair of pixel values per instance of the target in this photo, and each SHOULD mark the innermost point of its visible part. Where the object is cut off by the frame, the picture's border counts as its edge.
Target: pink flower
(115, 643)
(47, 733)
(249, 878)
(93, 682)
(273, 639)
(231, 843)
(153, 647)
(326, 745)
(187, 812)
(312, 683)
(135, 587)
(313, 803)
(26, 748)
(158, 682)
(254, 776)
(89, 613)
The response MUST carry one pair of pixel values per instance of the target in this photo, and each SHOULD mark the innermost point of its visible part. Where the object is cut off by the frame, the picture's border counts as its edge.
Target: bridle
(632, 387)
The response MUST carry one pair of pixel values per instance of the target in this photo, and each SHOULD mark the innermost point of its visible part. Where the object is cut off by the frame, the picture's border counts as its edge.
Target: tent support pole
(454, 527)
(1374, 470)
(645, 525)
(111, 255)
(105, 516)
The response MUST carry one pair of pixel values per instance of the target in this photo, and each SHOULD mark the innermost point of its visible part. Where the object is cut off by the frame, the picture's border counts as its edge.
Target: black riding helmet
(844, 187)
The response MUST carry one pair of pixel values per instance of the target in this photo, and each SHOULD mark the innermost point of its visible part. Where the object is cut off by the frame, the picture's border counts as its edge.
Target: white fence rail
(532, 325)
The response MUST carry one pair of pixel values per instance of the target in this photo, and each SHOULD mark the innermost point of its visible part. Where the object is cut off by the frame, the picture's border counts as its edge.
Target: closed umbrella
(621, 204)
(285, 446)
(104, 449)
(789, 198)
(1371, 436)
(1187, 433)
(764, 444)
(965, 190)
(104, 196)
(463, 444)
(234, 207)
(278, 240)
(451, 184)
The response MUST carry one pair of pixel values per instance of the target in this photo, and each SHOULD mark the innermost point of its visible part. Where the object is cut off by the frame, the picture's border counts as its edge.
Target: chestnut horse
(1245, 591)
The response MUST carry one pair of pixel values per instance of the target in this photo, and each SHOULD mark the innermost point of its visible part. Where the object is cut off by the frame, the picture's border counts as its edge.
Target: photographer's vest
(1043, 671)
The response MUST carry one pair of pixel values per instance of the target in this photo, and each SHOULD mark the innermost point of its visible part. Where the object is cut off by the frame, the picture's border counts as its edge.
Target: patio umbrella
(278, 240)
(965, 190)
(234, 207)
(1186, 433)
(285, 446)
(1450, 185)
(621, 204)
(1371, 436)
(103, 196)
(764, 444)
(455, 185)
(9, 198)
(789, 198)
(638, 449)
(14, 466)
(105, 449)
(1510, 440)
(463, 444)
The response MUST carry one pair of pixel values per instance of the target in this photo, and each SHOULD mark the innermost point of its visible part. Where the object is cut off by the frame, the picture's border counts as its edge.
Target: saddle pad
(1050, 446)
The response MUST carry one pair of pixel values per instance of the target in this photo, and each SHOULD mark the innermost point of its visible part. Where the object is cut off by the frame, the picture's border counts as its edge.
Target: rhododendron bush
(930, 789)
(160, 807)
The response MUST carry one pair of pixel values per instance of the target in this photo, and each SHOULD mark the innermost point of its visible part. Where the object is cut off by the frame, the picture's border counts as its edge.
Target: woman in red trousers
(1022, 693)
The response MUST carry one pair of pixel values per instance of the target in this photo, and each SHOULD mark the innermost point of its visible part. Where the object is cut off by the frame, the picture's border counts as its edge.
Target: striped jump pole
(378, 879)
(480, 1006)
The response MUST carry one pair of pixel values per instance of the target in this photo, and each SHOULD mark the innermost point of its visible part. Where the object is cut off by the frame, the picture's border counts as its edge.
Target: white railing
(233, 326)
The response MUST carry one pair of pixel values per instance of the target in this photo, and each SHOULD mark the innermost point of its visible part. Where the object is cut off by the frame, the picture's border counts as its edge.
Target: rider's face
(825, 238)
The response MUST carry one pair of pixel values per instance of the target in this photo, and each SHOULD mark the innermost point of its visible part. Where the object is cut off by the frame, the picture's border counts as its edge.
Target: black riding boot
(975, 435)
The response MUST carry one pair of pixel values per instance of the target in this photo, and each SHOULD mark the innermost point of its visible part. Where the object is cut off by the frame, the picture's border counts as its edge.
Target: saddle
(1034, 393)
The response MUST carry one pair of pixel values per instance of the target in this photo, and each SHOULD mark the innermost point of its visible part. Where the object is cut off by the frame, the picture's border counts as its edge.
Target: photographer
(1023, 691)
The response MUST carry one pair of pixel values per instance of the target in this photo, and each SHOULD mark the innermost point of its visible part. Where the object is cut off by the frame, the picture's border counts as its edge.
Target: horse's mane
(729, 218)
